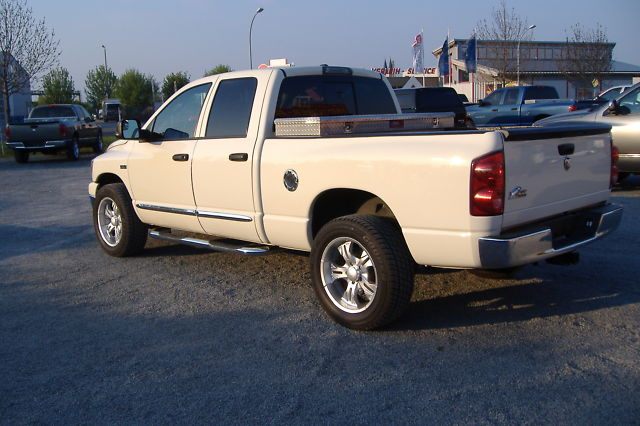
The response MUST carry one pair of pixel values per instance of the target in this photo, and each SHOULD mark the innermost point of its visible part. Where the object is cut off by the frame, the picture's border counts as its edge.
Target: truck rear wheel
(116, 224)
(73, 149)
(20, 155)
(362, 271)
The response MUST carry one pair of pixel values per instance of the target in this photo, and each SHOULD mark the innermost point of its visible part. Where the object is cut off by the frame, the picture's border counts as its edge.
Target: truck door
(509, 109)
(160, 172)
(223, 169)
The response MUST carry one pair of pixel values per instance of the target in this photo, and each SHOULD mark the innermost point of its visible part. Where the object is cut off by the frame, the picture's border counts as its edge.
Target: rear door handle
(494, 110)
(180, 157)
(239, 156)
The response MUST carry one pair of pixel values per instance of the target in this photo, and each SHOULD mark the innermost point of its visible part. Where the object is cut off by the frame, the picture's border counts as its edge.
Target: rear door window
(231, 110)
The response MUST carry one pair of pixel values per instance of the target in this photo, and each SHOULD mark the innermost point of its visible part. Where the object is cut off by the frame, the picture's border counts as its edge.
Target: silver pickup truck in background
(54, 128)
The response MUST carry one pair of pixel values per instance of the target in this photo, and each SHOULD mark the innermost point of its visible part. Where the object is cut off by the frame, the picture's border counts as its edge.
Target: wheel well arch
(338, 202)
(107, 178)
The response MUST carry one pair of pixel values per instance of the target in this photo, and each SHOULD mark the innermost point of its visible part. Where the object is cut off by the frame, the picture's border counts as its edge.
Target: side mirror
(88, 120)
(612, 107)
(482, 103)
(128, 129)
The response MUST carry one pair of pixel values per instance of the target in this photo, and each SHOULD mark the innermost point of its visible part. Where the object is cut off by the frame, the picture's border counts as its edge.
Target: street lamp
(518, 53)
(105, 57)
(250, 28)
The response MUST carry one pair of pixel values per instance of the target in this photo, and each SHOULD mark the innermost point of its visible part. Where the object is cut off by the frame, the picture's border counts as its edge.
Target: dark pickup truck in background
(518, 106)
(54, 128)
(433, 99)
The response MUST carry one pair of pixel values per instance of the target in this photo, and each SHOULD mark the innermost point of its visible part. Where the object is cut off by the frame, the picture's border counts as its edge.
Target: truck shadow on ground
(517, 300)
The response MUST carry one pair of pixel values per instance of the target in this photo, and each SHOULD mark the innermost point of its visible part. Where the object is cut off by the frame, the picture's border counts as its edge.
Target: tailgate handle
(239, 156)
(566, 149)
(181, 157)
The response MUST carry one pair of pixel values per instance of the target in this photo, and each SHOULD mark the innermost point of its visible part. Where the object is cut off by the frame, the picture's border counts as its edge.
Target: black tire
(73, 149)
(21, 155)
(366, 294)
(115, 222)
(621, 176)
(98, 147)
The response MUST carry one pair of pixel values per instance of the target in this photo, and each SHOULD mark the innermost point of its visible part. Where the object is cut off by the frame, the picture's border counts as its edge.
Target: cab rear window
(322, 96)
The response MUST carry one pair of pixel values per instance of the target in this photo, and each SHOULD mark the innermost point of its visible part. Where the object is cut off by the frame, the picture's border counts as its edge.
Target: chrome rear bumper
(549, 238)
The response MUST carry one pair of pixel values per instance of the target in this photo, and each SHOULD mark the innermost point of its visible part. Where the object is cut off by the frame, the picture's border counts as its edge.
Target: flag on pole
(470, 59)
(443, 61)
(418, 54)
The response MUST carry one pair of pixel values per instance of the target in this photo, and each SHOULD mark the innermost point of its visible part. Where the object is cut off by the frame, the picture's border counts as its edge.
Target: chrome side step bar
(227, 246)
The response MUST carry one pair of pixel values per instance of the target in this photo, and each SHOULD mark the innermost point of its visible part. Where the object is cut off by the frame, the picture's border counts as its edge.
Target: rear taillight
(63, 129)
(573, 107)
(487, 185)
(7, 132)
(615, 154)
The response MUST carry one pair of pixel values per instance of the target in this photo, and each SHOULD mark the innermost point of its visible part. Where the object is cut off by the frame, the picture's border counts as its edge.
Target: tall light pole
(105, 64)
(250, 28)
(518, 54)
(105, 57)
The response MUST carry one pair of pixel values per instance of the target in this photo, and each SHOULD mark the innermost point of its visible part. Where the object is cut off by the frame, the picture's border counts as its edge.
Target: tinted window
(231, 110)
(318, 96)
(373, 97)
(540, 93)
(437, 100)
(53, 112)
(511, 97)
(493, 98)
(178, 120)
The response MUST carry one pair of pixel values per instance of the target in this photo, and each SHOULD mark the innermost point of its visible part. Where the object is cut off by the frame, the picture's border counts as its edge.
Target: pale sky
(161, 37)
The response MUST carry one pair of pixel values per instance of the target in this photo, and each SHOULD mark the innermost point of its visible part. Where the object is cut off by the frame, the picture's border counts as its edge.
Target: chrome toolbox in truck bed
(356, 124)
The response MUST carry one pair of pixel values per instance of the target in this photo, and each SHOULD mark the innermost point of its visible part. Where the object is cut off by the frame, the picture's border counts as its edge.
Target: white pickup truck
(319, 159)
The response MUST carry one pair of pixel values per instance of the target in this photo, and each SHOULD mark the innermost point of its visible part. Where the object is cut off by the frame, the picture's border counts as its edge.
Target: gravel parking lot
(180, 335)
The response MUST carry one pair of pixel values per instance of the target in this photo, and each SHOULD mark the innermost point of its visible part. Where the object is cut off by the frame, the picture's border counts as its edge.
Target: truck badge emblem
(567, 163)
(517, 192)
(290, 180)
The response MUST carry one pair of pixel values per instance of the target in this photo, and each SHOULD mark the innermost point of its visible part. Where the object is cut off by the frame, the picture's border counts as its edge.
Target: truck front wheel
(116, 224)
(362, 271)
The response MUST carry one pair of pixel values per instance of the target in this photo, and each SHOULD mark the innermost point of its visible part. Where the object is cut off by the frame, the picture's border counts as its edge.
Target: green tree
(58, 87)
(218, 69)
(99, 85)
(173, 82)
(28, 49)
(136, 92)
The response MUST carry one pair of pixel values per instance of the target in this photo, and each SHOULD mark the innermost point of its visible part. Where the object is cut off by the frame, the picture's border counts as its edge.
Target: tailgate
(550, 171)
(35, 132)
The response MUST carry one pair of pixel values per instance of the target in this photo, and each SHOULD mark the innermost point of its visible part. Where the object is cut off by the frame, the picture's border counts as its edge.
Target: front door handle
(180, 157)
(494, 110)
(239, 156)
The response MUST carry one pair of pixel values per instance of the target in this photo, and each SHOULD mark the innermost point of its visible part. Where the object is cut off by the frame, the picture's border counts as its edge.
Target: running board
(216, 245)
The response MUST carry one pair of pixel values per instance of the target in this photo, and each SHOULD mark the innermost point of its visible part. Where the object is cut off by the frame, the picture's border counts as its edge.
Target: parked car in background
(54, 128)
(518, 106)
(433, 99)
(623, 114)
(603, 98)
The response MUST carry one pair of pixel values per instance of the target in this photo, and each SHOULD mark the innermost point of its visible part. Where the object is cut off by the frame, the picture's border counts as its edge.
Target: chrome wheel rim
(75, 149)
(99, 143)
(348, 275)
(109, 222)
